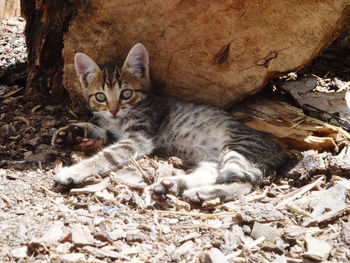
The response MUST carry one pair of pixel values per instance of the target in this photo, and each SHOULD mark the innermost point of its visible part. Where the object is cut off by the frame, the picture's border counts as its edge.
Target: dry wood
(223, 214)
(145, 176)
(289, 125)
(91, 189)
(327, 217)
(297, 210)
(48, 191)
(255, 243)
(298, 193)
(132, 186)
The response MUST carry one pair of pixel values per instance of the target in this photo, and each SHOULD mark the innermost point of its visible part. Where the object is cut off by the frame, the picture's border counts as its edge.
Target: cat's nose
(114, 112)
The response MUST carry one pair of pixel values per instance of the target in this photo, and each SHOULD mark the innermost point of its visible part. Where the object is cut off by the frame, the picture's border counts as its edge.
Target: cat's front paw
(165, 186)
(67, 136)
(70, 175)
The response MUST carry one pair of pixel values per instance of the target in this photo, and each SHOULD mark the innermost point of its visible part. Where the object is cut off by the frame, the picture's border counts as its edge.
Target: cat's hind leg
(236, 167)
(205, 174)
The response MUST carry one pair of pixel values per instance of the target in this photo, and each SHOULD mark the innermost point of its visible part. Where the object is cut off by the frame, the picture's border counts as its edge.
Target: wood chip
(298, 193)
(215, 256)
(327, 217)
(102, 252)
(91, 189)
(81, 235)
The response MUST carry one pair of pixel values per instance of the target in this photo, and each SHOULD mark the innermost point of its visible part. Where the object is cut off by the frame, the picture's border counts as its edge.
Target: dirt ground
(113, 219)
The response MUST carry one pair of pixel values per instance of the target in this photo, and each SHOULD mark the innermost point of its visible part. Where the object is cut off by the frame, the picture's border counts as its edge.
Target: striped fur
(229, 157)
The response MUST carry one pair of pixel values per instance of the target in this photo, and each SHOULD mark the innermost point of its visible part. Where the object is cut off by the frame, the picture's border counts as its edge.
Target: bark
(47, 21)
(215, 52)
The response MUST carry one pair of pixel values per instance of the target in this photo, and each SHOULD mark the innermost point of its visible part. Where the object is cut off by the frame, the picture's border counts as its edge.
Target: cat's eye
(100, 97)
(126, 94)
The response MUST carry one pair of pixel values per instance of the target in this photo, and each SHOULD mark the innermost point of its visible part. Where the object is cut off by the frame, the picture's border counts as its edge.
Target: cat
(229, 157)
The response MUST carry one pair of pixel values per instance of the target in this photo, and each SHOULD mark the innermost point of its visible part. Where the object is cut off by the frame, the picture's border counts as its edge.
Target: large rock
(210, 51)
(9, 8)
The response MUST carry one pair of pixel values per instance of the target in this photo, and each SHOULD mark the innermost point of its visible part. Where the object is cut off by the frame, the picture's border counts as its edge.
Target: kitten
(230, 158)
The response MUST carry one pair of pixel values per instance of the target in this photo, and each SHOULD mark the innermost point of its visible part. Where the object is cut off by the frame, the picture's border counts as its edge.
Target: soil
(113, 218)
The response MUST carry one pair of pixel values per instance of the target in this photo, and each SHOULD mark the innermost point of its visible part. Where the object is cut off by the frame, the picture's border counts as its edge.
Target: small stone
(259, 230)
(280, 259)
(116, 234)
(144, 256)
(72, 257)
(63, 248)
(135, 235)
(104, 195)
(185, 248)
(129, 175)
(215, 256)
(105, 252)
(333, 199)
(166, 229)
(189, 236)
(53, 234)
(91, 189)
(211, 203)
(81, 235)
(345, 233)
(19, 253)
(27, 154)
(43, 157)
(317, 249)
(259, 212)
(246, 229)
(94, 208)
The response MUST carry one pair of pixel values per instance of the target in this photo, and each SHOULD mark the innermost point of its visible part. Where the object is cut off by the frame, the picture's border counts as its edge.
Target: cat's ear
(137, 61)
(85, 67)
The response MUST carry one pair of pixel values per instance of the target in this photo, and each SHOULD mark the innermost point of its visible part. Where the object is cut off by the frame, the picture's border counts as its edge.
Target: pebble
(215, 256)
(19, 253)
(259, 230)
(317, 249)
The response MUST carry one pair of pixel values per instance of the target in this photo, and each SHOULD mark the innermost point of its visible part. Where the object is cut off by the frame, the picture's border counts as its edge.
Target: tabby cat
(229, 157)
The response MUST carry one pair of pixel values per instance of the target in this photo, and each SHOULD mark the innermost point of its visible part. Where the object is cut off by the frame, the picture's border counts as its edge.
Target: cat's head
(111, 90)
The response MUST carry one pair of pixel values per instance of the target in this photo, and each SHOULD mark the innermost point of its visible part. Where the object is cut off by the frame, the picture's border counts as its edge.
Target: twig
(296, 124)
(254, 243)
(327, 217)
(144, 175)
(198, 214)
(133, 186)
(297, 193)
(96, 199)
(73, 113)
(298, 210)
(196, 226)
(48, 191)
(154, 164)
(233, 205)
(252, 198)
(11, 93)
(22, 119)
(40, 165)
(36, 108)
(234, 255)
(5, 198)
(177, 203)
